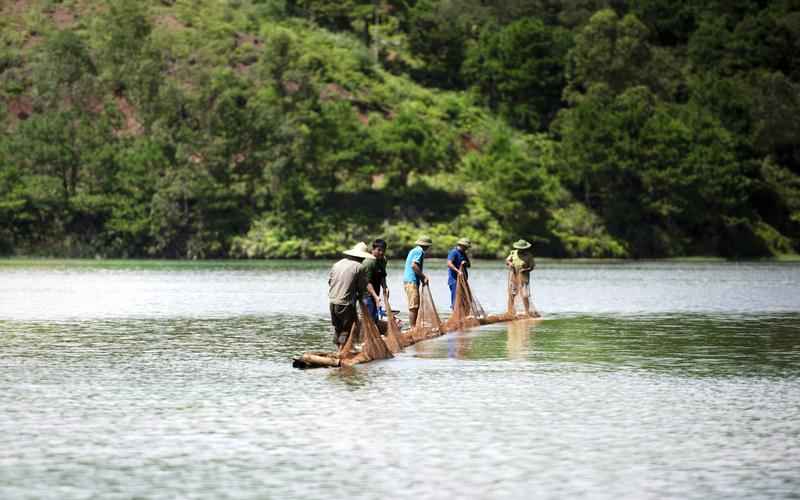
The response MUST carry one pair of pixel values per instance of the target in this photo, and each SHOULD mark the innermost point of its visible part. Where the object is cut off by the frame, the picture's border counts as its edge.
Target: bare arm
(415, 267)
(453, 267)
(371, 290)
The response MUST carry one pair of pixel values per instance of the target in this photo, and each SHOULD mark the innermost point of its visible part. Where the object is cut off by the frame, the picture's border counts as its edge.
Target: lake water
(174, 380)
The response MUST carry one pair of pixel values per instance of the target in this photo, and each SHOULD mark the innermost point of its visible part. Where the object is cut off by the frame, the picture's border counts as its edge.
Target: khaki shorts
(412, 295)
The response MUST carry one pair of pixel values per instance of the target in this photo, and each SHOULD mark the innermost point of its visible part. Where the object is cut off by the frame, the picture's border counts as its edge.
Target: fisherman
(456, 257)
(413, 276)
(347, 283)
(375, 271)
(520, 263)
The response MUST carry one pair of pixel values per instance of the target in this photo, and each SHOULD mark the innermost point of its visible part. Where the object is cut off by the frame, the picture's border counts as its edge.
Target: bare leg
(526, 303)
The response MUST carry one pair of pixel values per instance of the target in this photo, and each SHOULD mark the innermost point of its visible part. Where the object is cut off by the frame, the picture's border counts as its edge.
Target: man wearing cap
(346, 284)
(375, 272)
(413, 276)
(520, 262)
(456, 257)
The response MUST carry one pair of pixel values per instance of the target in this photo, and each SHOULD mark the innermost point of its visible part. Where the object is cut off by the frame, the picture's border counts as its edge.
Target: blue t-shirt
(456, 256)
(415, 255)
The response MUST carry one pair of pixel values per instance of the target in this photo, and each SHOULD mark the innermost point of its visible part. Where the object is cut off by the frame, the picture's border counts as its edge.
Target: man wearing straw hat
(346, 284)
(520, 262)
(455, 258)
(413, 276)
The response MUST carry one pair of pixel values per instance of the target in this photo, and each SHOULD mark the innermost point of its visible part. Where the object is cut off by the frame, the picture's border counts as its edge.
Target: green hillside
(293, 128)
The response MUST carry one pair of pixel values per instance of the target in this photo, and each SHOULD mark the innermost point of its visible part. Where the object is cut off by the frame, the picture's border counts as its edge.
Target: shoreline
(20, 261)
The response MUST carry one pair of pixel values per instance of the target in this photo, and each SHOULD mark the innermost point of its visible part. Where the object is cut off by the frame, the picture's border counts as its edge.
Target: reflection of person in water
(519, 333)
(458, 345)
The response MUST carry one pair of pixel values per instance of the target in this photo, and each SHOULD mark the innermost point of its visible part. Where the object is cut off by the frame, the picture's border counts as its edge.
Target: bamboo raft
(467, 313)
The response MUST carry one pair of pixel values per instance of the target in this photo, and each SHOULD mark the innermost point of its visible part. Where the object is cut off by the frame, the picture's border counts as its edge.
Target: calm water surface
(156, 380)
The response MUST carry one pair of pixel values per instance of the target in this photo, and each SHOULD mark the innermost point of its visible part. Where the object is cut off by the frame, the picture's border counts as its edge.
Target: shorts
(524, 285)
(412, 295)
(342, 319)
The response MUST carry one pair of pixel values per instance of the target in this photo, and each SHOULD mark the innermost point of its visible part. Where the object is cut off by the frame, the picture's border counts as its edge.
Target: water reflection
(200, 401)
(696, 345)
(458, 344)
(520, 338)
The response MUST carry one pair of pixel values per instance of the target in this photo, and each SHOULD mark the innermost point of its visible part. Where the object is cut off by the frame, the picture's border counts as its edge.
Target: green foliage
(521, 70)
(608, 51)
(650, 169)
(437, 35)
(581, 233)
(291, 128)
(513, 183)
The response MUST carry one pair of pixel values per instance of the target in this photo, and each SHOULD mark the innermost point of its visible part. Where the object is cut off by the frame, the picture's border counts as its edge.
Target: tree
(608, 51)
(665, 178)
(513, 182)
(437, 34)
(521, 70)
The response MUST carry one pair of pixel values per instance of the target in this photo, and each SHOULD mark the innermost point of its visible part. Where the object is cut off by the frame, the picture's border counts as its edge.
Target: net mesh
(392, 337)
(428, 323)
(365, 329)
(346, 350)
(467, 311)
(374, 347)
(511, 309)
(514, 300)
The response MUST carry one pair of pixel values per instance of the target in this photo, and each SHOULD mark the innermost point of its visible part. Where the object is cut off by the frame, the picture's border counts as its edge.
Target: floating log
(317, 360)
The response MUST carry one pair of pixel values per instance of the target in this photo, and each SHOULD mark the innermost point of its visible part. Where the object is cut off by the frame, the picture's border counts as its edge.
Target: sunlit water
(645, 380)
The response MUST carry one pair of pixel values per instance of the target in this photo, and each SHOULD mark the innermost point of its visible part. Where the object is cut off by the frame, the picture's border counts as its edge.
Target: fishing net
(374, 347)
(392, 337)
(428, 323)
(513, 300)
(347, 350)
(467, 311)
(516, 306)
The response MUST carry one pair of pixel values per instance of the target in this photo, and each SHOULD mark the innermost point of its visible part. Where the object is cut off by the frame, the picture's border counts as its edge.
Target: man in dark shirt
(455, 258)
(375, 271)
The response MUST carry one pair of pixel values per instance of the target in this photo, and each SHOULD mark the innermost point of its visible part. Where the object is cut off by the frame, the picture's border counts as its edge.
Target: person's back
(343, 282)
(522, 261)
(346, 283)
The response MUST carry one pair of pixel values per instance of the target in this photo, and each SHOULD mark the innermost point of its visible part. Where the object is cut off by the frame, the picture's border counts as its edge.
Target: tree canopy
(291, 128)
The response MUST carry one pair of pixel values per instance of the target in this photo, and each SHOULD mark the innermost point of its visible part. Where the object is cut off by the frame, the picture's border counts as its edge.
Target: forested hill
(293, 128)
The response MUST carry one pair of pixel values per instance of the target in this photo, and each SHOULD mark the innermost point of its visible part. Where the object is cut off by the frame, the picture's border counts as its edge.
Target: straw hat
(522, 245)
(360, 251)
(464, 242)
(424, 241)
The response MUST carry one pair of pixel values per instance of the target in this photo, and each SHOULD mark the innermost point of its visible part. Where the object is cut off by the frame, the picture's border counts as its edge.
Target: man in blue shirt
(455, 258)
(413, 276)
